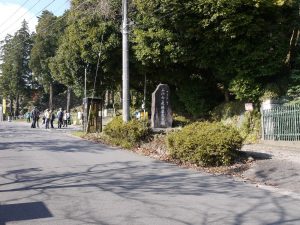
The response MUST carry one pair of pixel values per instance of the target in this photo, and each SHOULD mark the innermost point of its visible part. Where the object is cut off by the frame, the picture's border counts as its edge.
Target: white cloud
(10, 21)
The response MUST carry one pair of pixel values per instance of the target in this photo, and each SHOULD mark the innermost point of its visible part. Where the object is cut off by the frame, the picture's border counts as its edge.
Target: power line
(15, 12)
(99, 55)
(46, 28)
(177, 12)
(21, 16)
(43, 9)
(63, 6)
(46, 8)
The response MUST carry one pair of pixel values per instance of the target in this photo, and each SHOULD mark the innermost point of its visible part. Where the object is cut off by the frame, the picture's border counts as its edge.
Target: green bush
(180, 121)
(250, 129)
(271, 91)
(205, 144)
(126, 134)
(195, 95)
(227, 110)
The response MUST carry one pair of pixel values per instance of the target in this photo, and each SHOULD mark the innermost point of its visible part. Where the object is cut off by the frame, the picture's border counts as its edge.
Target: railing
(281, 123)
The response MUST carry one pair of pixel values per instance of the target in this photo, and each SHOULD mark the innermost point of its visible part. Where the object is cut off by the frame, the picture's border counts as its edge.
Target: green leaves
(92, 31)
(16, 76)
(44, 48)
(206, 144)
(238, 45)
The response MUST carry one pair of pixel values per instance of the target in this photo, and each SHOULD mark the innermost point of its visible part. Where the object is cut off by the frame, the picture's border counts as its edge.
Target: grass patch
(78, 134)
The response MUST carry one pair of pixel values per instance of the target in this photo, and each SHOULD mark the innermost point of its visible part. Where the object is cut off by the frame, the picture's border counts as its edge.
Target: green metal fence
(281, 123)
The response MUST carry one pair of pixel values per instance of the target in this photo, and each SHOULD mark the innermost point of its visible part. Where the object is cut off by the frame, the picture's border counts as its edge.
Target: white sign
(249, 106)
(79, 115)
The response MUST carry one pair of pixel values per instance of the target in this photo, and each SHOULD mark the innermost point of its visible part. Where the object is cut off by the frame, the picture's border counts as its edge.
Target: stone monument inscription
(161, 112)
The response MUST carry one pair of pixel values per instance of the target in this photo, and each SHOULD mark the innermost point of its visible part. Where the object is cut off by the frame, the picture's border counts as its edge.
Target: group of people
(48, 118)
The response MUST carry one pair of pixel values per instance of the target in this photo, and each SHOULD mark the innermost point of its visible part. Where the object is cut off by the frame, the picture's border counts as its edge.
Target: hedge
(205, 144)
(126, 134)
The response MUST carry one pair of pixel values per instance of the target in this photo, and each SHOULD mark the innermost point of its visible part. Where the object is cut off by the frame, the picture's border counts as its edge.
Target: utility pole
(125, 69)
(145, 90)
(85, 71)
(68, 99)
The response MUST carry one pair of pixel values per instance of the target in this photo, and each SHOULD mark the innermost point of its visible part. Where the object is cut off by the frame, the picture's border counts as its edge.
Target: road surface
(49, 177)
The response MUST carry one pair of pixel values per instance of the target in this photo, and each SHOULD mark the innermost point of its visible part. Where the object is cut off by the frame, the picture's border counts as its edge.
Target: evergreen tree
(44, 48)
(16, 80)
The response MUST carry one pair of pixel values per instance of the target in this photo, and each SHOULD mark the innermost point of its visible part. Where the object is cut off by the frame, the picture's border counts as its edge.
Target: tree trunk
(292, 48)
(17, 105)
(293, 44)
(112, 98)
(11, 105)
(68, 99)
(50, 96)
(101, 115)
(107, 95)
(226, 95)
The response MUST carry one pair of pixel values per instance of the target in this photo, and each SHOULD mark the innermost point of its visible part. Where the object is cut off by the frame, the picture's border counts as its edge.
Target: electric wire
(46, 8)
(177, 13)
(14, 13)
(99, 55)
(63, 6)
(95, 80)
(42, 9)
(136, 25)
(20, 17)
(49, 26)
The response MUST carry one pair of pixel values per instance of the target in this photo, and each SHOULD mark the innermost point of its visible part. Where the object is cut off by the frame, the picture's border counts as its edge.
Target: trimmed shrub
(205, 144)
(180, 121)
(126, 134)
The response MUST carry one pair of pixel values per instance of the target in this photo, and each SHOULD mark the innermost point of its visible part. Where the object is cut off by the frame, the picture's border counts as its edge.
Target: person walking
(47, 118)
(60, 115)
(65, 119)
(52, 118)
(28, 115)
(34, 115)
(38, 118)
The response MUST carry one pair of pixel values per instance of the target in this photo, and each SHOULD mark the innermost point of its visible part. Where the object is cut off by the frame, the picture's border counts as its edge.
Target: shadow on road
(23, 211)
(131, 181)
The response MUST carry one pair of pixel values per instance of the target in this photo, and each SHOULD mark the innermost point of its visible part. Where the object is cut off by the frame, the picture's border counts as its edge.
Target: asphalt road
(49, 177)
(280, 167)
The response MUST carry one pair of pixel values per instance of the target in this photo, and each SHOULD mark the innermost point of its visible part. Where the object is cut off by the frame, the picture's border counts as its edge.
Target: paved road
(49, 177)
(280, 169)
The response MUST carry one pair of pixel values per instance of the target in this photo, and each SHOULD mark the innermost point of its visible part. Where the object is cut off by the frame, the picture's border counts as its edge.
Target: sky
(13, 12)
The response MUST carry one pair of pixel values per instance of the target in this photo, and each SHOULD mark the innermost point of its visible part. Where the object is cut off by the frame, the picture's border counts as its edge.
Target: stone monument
(161, 112)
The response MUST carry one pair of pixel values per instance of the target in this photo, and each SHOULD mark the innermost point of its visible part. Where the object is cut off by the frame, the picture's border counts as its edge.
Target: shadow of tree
(155, 184)
(131, 189)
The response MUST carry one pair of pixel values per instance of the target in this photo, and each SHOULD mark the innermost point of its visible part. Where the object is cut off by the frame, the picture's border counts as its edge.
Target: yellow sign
(144, 116)
(4, 105)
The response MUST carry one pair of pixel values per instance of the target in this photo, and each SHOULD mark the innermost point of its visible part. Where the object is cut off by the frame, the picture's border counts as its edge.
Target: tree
(16, 80)
(48, 31)
(92, 35)
(237, 42)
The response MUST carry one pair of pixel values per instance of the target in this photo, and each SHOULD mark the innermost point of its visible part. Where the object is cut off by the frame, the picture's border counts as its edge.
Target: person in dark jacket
(52, 118)
(34, 116)
(60, 116)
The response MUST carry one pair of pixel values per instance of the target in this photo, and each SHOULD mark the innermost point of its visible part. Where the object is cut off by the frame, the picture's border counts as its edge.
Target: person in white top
(65, 118)
(47, 118)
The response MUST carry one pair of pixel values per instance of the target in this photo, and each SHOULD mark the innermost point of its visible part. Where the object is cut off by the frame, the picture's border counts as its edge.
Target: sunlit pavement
(53, 178)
